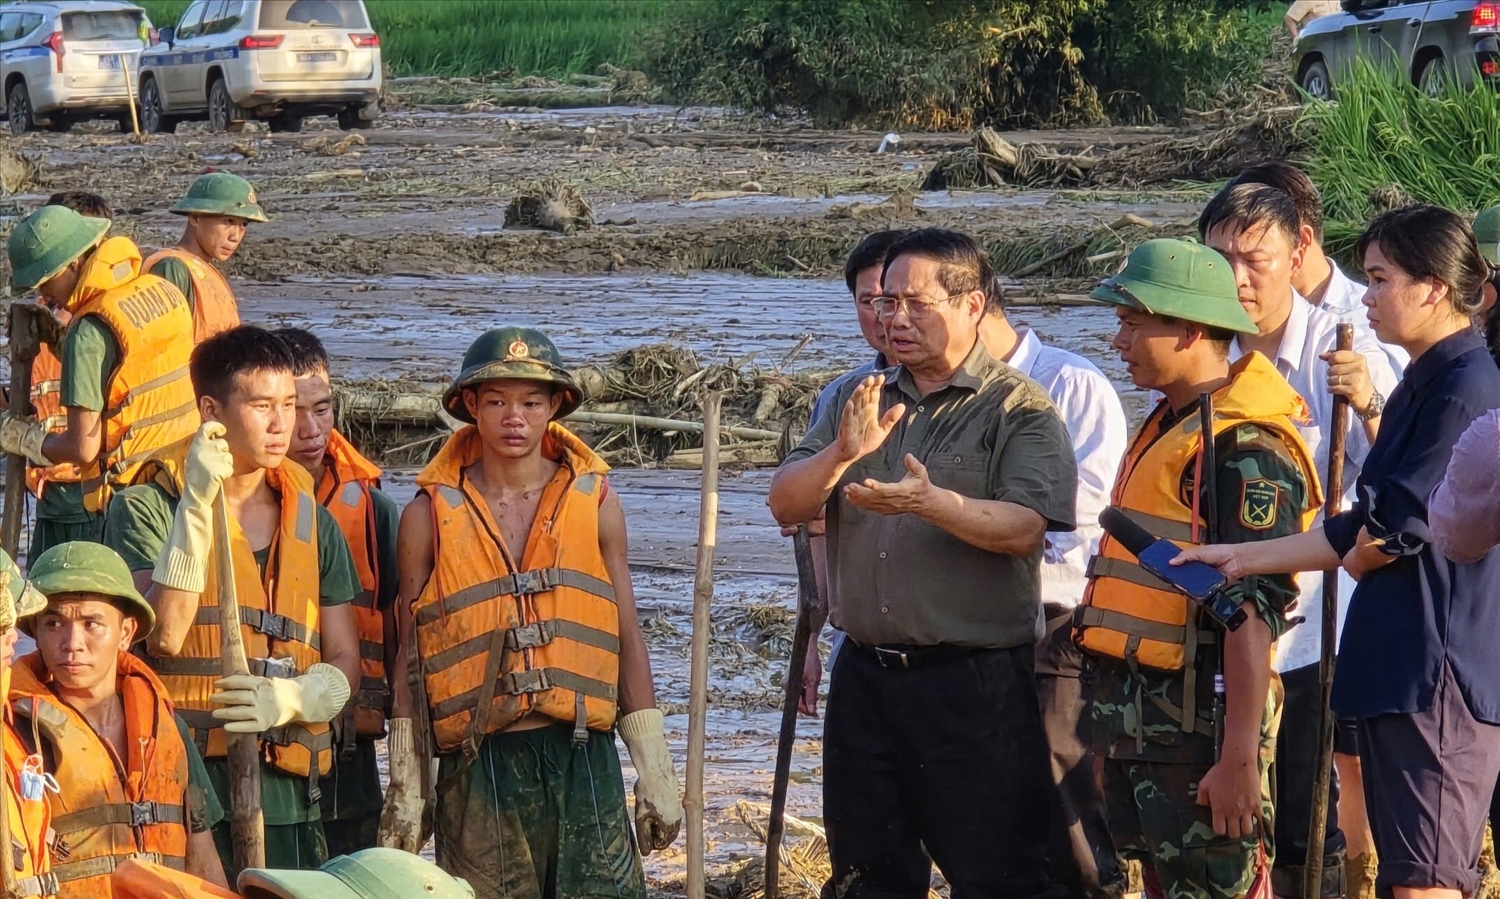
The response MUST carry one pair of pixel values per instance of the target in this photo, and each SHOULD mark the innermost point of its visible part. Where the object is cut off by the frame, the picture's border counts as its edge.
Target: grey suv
(1427, 40)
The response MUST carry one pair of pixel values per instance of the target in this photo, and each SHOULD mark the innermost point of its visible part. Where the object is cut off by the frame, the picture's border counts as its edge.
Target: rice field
(473, 38)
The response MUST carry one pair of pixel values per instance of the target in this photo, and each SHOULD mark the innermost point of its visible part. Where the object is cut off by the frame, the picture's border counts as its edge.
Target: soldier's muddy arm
(80, 443)
(637, 691)
(414, 562)
(175, 611)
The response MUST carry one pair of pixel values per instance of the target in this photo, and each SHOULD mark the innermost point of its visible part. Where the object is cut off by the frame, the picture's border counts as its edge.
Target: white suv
(62, 61)
(279, 60)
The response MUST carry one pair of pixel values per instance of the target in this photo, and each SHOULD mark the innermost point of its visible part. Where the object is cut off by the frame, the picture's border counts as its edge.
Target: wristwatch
(1377, 406)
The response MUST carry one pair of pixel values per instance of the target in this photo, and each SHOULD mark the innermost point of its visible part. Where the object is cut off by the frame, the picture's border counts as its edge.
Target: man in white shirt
(1083, 853)
(1255, 227)
(1318, 279)
(1303, 11)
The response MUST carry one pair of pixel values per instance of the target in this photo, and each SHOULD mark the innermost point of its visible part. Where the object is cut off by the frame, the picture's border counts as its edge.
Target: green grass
(1383, 131)
(470, 38)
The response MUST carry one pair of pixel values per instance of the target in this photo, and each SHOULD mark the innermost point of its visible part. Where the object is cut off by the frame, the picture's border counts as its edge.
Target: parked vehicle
(1429, 41)
(229, 61)
(62, 61)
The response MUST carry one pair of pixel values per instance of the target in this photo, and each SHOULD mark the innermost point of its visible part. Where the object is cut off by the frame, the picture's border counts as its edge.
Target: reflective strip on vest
(103, 865)
(535, 680)
(132, 814)
(277, 627)
(522, 583)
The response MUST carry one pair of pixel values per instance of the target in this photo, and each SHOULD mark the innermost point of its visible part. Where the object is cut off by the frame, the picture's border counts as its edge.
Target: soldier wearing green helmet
(81, 699)
(1188, 812)
(218, 206)
(514, 521)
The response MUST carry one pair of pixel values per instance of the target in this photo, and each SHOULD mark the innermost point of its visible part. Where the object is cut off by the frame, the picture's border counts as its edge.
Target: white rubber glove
(252, 704)
(401, 818)
(183, 563)
(658, 810)
(23, 437)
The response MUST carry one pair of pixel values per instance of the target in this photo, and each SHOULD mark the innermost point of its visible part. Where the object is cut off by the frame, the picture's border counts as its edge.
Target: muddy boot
(1360, 873)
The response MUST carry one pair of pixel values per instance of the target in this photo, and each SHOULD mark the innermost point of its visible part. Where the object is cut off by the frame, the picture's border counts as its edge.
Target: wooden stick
(1312, 872)
(670, 424)
(25, 342)
(135, 121)
(246, 821)
(703, 593)
(807, 601)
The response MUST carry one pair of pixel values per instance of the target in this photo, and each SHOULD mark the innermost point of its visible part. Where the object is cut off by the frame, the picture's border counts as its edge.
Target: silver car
(229, 61)
(64, 61)
(1428, 41)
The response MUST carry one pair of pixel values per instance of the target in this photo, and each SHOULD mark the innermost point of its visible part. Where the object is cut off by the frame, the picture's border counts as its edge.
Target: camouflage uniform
(1152, 768)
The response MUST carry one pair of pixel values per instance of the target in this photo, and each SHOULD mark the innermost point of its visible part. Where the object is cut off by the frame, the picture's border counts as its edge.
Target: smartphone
(1197, 579)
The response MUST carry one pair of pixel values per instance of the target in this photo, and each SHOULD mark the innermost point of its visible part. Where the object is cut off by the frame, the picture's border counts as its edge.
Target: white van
(228, 61)
(65, 61)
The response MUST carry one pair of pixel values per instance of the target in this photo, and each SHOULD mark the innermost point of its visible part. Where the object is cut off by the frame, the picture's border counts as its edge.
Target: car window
(226, 17)
(9, 21)
(102, 25)
(29, 22)
(191, 20)
(294, 14)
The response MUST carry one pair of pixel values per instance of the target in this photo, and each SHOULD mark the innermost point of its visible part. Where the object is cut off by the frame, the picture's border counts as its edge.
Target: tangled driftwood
(552, 205)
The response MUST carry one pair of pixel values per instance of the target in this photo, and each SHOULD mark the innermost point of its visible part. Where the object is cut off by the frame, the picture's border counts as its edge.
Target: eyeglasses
(916, 309)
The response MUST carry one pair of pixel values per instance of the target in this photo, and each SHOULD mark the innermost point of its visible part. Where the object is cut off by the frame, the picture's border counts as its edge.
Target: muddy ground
(392, 248)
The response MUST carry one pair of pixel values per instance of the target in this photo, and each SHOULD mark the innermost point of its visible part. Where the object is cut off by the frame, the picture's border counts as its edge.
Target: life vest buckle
(277, 627)
(529, 636)
(285, 669)
(531, 582)
(143, 814)
(533, 681)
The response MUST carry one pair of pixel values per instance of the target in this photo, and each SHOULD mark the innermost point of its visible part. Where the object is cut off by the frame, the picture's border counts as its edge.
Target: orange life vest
(108, 808)
(46, 393)
(214, 307)
(345, 492)
(149, 401)
(144, 880)
(499, 640)
(278, 621)
(1127, 612)
(31, 831)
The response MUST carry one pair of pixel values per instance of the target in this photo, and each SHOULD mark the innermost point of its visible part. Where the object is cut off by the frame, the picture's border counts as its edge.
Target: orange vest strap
(527, 636)
(532, 680)
(1166, 528)
(103, 865)
(40, 886)
(277, 627)
(1099, 566)
(1093, 616)
(133, 814)
(200, 667)
(522, 583)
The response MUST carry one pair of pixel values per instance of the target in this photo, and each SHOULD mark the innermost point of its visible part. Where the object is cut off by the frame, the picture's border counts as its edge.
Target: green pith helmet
(512, 354)
(28, 600)
(1487, 232)
(80, 567)
(1178, 279)
(221, 193)
(47, 240)
(367, 874)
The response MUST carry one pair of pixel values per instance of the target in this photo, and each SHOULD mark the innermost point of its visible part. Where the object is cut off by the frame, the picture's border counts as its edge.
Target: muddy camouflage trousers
(536, 817)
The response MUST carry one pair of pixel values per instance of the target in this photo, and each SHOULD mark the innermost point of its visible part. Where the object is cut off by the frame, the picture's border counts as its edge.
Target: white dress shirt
(1310, 332)
(1091, 410)
(1344, 297)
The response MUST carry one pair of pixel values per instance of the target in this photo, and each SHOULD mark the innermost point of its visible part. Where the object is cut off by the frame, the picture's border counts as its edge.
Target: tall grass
(552, 38)
(1382, 131)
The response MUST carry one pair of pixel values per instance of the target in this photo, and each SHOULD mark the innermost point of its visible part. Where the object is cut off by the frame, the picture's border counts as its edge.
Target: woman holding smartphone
(1417, 665)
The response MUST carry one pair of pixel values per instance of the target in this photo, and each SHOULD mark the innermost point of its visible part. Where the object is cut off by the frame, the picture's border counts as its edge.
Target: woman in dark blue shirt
(1417, 662)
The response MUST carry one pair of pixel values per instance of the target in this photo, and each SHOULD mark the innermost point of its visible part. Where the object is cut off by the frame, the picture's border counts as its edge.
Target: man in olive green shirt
(243, 378)
(941, 478)
(219, 207)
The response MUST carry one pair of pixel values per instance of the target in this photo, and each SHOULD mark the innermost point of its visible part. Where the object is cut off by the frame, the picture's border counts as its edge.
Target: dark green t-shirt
(89, 355)
(137, 527)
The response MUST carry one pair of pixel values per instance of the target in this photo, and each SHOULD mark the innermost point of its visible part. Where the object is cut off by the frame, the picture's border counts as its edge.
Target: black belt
(895, 656)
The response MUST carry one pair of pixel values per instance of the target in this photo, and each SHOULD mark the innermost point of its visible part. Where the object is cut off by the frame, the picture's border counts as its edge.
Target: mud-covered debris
(627, 82)
(1389, 197)
(899, 205)
(551, 205)
(324, 145)
(18, 171)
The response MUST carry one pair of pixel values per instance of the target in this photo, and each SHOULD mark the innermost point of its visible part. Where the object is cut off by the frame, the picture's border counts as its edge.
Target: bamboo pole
(246, 820)
(802, 643)
(135, 121)
(703, 591)
(670, 424)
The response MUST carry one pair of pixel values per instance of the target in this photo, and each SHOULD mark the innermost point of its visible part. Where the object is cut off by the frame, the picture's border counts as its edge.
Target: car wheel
(349, 119)
(1316, 83)
(285, 123)
(1434, 77)
(153, 119)
(223, 114)
(18, 109)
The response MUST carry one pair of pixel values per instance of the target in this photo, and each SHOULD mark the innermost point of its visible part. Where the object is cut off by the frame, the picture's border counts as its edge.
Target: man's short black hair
(1293, 182)
(89, 205)
(870, 253)
(963, 265)
(308, 355)
(1246, 206)
(247, 348)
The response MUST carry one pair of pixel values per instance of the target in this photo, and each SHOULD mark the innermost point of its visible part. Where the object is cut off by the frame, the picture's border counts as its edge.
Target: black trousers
(1082, 851)
(1295, 769)
(941, 763)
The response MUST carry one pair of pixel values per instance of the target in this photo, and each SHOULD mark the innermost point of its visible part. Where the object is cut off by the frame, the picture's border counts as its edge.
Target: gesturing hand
(910, 494)
(863, 429)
